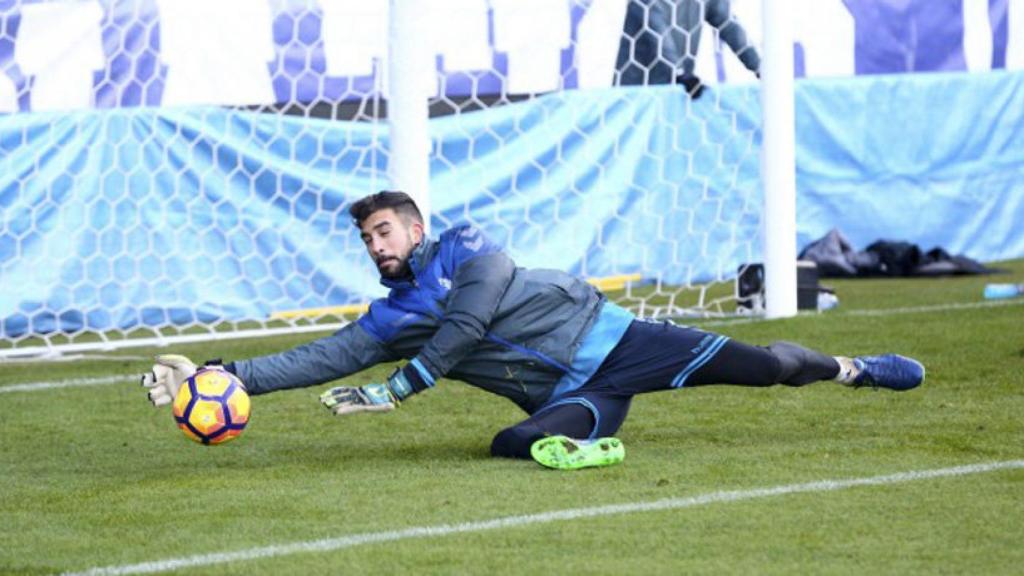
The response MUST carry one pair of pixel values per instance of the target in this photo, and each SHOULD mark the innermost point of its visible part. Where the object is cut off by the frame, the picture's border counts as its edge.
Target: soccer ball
(212, 406)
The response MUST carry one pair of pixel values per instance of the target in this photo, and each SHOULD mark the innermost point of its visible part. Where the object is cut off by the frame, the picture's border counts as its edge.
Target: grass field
(93, 476)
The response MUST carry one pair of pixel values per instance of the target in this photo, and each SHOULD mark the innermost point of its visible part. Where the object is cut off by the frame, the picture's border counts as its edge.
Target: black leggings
(780, 363)
(736, 364)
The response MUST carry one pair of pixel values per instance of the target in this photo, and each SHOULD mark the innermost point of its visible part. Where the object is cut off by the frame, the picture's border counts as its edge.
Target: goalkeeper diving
(459, 308)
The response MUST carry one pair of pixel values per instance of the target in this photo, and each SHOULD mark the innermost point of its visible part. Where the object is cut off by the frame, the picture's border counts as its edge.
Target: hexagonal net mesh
(181, 169)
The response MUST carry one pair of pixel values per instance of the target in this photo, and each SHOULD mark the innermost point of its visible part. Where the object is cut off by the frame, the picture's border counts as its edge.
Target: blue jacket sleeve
(345, 352)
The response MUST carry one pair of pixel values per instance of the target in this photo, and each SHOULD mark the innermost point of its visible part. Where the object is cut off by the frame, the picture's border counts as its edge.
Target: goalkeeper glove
(166, 376)
(694, 87)
(383, 397)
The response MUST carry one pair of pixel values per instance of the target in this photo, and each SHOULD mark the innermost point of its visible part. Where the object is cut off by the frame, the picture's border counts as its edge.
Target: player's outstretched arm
(166, 376)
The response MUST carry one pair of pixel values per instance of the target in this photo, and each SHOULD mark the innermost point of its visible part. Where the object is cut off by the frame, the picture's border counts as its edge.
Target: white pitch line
(935, 308)
(34, 386)
(860, 312)
(68, 358)
(332, 544)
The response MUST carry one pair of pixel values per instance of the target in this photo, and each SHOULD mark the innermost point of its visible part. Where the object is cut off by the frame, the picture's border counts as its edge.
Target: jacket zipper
(543, 358)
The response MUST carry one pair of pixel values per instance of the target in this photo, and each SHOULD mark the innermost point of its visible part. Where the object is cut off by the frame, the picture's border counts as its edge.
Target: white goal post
(193, 179)
(779, 160)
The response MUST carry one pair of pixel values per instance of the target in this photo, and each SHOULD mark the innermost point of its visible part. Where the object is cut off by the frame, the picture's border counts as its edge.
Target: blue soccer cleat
(890, 371)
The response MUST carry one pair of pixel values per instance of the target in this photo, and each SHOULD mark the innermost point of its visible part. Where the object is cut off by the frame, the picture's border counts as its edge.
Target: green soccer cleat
(564, 453)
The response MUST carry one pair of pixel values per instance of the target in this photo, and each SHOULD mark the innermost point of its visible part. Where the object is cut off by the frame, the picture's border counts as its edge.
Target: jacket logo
(703, 343)
(403, 319)
(472, 239)
(445, 283)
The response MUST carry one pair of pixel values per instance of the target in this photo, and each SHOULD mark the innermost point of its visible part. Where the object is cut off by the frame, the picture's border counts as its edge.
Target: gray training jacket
(466, 313)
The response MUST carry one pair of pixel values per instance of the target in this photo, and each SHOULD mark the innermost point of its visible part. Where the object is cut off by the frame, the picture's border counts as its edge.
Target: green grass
(94, 476)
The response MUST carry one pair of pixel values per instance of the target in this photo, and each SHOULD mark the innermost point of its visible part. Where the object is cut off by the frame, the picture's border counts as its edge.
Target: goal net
(178, 170)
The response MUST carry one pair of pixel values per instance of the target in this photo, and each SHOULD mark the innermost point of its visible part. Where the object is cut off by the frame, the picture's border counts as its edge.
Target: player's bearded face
(390, 240)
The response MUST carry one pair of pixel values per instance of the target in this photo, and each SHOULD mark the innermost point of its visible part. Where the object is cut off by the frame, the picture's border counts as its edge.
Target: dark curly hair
(400, 202)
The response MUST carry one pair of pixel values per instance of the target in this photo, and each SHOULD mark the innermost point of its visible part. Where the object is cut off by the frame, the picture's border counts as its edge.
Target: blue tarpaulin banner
(146, 216)
(934, 159)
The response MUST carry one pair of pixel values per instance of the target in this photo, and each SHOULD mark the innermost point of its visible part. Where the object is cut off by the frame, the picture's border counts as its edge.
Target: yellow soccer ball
(212, 406)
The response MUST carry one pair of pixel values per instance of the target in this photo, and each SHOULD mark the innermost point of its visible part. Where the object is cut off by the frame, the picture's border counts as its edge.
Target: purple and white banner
(75, 54)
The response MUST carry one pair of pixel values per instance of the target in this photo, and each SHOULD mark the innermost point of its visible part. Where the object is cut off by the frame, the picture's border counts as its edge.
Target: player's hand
(694, 87)
(350, 400)
(166, 376)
